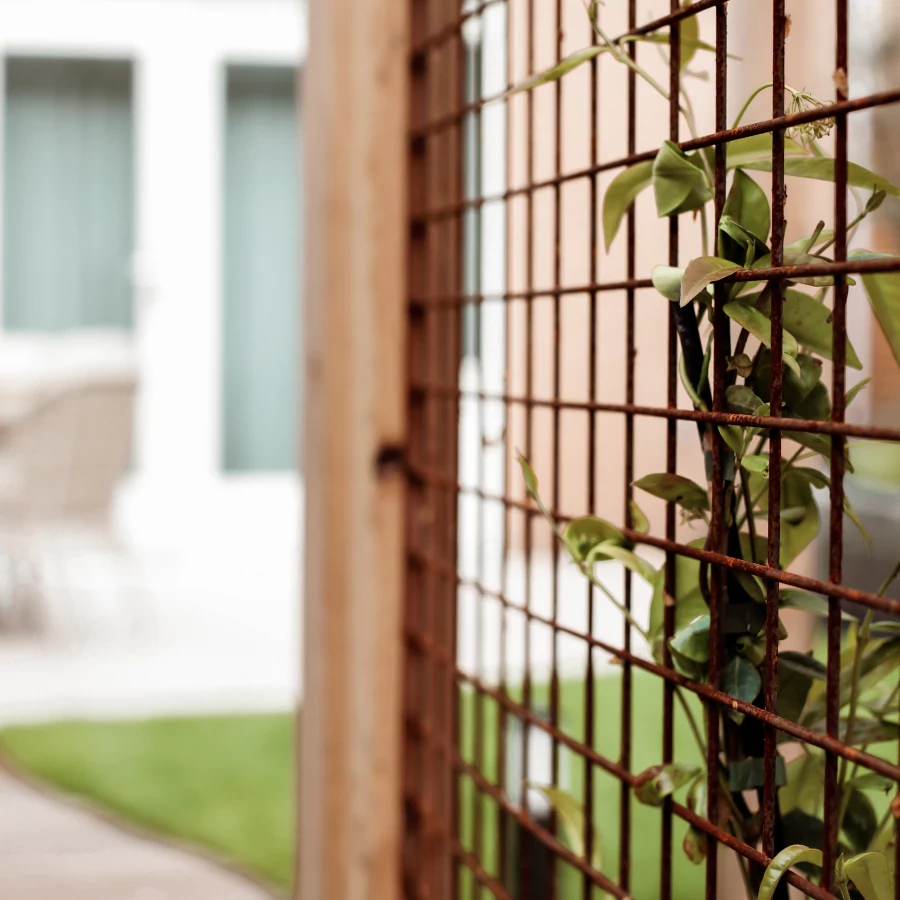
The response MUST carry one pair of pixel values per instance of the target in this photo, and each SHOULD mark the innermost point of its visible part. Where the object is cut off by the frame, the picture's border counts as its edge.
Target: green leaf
(692, 641)
(746, 774)
(733, 435)
(883, 290)
(790, 856)
(688, 38)
(821, 168)
(853, 516)
(851, 394)
(740, 363)
(679, 182)
(795, 258)
(572, 61)
(809, 321)
(667, 280)
(803, 664)
(688, 601)
(584, 534)
(531, 482)
(571, 815)
(653, 785)
(793, 690)
(702, 272)
(676, 488)
(748, 205)
(810, 241)
(741, 399)
(811, 603)
(860, 821)
(759, 326)
(870, 875)
(695, 845)
(872, 781)
(749, 151)
(611, 550)
(758, 463)
(805, 783)
(620, 194)
(738, 244)
(740, 679)
(639, 521)
(813, 476)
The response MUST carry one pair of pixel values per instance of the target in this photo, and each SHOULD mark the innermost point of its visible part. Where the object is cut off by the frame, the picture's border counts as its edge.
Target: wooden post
(355, 114)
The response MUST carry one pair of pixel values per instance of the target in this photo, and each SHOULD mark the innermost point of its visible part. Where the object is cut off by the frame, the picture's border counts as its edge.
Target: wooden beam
(355, 119)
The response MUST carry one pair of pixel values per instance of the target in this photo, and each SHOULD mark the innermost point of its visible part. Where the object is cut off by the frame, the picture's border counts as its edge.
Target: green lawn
(225, 783)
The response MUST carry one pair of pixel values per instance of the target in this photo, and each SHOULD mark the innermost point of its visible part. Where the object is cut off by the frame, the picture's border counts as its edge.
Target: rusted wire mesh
(492, 344)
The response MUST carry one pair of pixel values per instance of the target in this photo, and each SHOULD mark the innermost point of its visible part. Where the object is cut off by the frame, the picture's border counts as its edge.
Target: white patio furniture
(66, 414)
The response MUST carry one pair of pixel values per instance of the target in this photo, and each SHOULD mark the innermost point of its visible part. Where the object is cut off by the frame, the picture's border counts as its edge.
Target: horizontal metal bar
(483, 784)
(802, 426)
(807, 735)
(462, 299)
(766, 126)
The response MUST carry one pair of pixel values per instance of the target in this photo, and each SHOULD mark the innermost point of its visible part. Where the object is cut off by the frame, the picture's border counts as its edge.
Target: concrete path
(50, 849)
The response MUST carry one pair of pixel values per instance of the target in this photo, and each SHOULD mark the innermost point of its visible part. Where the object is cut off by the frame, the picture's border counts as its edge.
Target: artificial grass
(226, 783)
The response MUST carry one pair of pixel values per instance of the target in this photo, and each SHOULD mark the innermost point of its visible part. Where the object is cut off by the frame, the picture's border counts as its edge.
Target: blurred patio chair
(62, 454)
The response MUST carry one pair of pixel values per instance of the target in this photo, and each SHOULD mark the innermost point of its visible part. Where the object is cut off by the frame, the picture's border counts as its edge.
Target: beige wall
(749, 38)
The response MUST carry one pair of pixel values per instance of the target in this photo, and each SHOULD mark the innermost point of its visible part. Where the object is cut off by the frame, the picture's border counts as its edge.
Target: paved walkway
(50, 849)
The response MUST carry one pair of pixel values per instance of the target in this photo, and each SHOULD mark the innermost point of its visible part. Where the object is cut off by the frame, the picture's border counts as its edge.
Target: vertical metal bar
(474, 285)
(774, 538)
(665, 889)
(502, 722)
(836, 494)
(529, 387)
(589, 736)
(557, 375)
(717, 524)
(625, 744)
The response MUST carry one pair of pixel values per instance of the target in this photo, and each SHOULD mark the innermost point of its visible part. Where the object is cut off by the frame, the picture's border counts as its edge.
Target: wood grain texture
(355, 100)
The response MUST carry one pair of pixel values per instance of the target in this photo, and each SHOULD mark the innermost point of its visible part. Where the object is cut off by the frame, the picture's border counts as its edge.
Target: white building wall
(179, 49)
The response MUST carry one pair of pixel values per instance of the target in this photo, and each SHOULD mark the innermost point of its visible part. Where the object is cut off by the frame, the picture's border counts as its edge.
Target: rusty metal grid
(437, 858)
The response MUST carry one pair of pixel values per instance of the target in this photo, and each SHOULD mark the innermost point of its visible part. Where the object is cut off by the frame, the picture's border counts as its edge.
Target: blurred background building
(151, 223)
